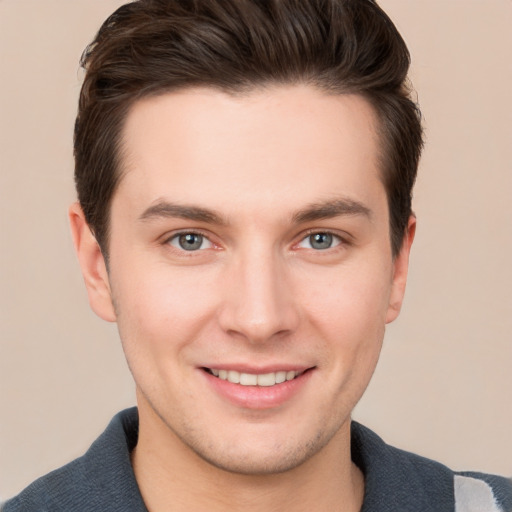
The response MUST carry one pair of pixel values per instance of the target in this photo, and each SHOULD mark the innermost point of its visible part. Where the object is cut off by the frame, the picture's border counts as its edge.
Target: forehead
(281, 146)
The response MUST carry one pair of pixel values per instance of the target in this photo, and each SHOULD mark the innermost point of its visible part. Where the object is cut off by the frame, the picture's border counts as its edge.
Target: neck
(172, 477)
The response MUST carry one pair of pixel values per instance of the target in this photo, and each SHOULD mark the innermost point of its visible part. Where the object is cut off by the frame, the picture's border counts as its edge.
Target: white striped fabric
(474, 495)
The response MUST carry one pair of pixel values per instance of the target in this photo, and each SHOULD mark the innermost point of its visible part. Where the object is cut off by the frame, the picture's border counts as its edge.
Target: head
(150, 47)
(247, 168)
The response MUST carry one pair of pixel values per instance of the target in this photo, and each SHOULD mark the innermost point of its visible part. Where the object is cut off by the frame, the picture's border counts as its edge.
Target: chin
(271, 455)
(256, 463)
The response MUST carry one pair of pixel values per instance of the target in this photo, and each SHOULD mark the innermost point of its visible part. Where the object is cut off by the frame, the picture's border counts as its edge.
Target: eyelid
(176, 234)
(343, 238)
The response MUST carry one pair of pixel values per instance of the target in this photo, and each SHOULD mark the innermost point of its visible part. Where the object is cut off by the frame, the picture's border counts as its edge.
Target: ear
(400, 268)
(92, 263)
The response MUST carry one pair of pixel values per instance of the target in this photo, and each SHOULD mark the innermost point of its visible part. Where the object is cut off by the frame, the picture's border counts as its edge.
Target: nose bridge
(259, 303)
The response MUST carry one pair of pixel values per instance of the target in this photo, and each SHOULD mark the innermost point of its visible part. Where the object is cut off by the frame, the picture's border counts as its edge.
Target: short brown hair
(149, 47)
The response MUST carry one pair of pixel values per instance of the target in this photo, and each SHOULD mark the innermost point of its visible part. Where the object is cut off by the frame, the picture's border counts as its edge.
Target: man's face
(250, 241)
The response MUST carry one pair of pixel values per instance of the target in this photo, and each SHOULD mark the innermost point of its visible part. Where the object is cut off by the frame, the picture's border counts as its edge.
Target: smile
(250, 379)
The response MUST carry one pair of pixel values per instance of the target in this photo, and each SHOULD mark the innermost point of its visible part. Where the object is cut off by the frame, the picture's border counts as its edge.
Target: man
(244, 173)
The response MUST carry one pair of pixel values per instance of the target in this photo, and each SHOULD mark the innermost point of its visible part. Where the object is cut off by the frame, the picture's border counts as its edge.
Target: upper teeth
(250, 379)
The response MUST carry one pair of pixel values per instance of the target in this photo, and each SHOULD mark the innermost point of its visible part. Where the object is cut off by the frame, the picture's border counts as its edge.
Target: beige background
(444, 384)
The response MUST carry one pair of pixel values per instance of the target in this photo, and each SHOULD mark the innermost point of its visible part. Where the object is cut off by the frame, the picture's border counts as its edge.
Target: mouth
(251, 379)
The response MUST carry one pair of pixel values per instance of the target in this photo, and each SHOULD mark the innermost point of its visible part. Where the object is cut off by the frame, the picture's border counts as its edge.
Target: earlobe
(93, 265)
(400, 269)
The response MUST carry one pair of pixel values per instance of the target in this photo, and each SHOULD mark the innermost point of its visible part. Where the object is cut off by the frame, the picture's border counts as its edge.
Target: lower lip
(258, 397)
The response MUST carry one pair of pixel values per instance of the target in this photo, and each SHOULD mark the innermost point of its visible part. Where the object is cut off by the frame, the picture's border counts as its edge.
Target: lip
(258, 397)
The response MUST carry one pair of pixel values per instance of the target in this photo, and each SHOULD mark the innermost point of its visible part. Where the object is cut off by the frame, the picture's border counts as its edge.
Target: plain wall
(443, 387)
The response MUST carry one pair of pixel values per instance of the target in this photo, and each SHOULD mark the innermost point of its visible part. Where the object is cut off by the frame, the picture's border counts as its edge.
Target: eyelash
(341, 240)
(175, 236)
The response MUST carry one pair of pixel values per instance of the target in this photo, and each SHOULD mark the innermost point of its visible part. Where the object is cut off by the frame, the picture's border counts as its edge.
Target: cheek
(348, 309)
(159, 309)
(354, 297)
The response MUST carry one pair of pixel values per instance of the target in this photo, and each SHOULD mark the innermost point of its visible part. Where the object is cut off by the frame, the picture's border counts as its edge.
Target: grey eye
(190, 242)
(321, 241)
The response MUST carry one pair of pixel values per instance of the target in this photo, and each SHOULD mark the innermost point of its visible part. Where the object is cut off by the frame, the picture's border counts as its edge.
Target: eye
(320, 241)
(190, 242)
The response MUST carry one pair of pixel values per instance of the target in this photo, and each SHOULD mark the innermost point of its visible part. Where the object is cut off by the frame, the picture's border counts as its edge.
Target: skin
(255, 176)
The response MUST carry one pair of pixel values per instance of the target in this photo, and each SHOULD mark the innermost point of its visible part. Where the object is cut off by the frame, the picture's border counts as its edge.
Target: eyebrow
(331, 208)
(315, 211)
(164, 209)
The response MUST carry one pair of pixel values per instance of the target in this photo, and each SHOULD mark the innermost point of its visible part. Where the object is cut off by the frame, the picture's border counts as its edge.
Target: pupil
(321, 241)
(191, 241)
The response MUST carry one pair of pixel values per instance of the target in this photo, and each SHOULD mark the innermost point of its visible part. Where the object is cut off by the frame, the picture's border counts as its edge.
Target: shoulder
(400, 480)
(102, 479)
(62, 485)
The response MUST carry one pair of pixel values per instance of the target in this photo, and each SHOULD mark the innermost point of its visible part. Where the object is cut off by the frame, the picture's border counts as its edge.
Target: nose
(258, 301)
